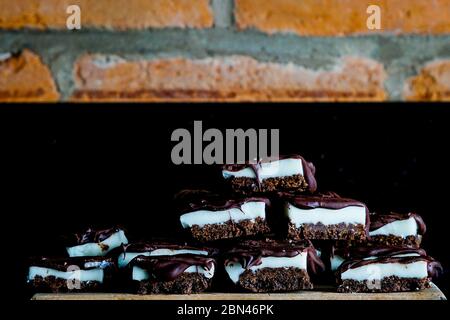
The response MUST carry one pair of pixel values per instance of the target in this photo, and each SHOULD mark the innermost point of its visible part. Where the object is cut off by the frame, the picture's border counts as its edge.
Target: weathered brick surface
(234, 78)
(25, 78)
(116, 14)
(432, 84)
(342, 17)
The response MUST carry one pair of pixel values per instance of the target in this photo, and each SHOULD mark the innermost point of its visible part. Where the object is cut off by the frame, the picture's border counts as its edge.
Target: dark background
(68, 166)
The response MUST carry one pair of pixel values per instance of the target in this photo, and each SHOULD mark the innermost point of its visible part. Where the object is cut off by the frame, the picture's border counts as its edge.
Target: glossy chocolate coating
(375, 251)
(249, 253)
(149, 246)
(167, 268)
(83, 263)
(309, 170)
(389, 255)
(194, 200)
(379, 220)
(90, 235)
(329, 200)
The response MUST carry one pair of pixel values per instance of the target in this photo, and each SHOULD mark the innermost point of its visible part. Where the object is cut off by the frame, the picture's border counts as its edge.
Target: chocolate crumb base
(409, 241)
(230, 229)
(186, 283)
(57, 285)
(388, 284)
(385, 241)
(319, 231)
(275, 280)
(247, 186)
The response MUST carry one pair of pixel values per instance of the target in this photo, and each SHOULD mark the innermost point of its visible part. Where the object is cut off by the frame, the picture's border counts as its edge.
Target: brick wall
(224, 50)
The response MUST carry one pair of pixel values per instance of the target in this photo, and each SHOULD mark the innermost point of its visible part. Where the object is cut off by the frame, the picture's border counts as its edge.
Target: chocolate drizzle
(154, 245)
(358, 258)
(249, 253)
(362, 252)
(379, 220)
(62, 264)
(168, 268)
(211, 202)
(91, 235)
(328, 200)
(309, 170)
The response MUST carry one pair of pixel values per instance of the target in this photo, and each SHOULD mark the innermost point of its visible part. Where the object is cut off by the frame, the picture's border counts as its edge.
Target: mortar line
(401, 55)
(223, 13)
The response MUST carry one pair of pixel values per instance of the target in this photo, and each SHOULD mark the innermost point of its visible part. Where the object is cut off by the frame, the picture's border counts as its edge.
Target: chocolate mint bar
(288, 173)
(396, 229)
(181, 274)
(387, 269)
(95, 242)
(212, 217)
(82, 274)
(272, 266)
(326, 217)
(159, 248)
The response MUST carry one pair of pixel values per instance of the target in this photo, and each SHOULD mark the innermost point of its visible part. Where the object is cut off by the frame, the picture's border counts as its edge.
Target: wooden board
(322, 293)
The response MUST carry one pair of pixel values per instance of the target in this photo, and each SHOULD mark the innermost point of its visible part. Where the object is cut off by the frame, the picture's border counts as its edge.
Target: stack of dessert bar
(90, 264)
(273, 231)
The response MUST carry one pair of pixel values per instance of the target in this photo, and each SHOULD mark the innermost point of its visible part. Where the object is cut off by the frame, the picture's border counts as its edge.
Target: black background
(72, 165)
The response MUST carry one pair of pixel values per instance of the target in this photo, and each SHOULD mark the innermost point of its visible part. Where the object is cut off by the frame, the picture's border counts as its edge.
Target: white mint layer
(249, 211)
(95, 249)
(235, 269)
(378, 271)
(140, 274)
(406, 255)
(401, 228)
(81, 275)
(349, 215)
(124, 259)
(274, 169)
(336, 262)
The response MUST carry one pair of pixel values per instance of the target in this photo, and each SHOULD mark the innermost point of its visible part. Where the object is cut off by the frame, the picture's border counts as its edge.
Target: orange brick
(342, 17)
(233, 78)
(25, 78)
(117, 14)
(432, 84)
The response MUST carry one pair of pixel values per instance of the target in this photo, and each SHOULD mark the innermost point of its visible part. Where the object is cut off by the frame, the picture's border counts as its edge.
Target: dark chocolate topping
(375, 251)
(90, 235)
(167, 268)
(212, 202)
(309, 170)
(379, 220)
(61, 264)
(249, 253)
(154, 245)
(388, 255)
(328, 200)
(434, 268)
